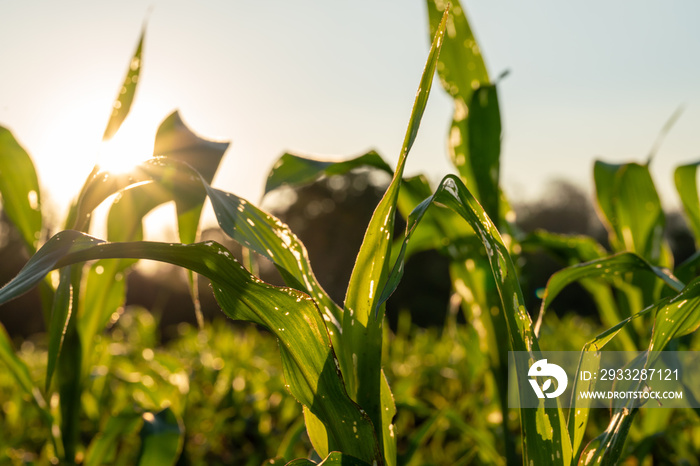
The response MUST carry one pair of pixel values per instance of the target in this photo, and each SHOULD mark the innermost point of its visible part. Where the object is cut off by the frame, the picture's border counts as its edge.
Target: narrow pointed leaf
(362, 318)
(122, 104)
(19, 187)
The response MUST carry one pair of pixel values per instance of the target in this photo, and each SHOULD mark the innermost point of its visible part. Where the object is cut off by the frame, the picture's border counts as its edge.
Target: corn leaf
(685, 178)
(106, 280)
(631, 209)
(19, 188)
(608, 268)
(484, 127)
(122, 104)
(464, 76)
(60, 313)
(545, 438)
(362, 318)
(310, 367)
(569, 249)
(680, 316)
(295, 170)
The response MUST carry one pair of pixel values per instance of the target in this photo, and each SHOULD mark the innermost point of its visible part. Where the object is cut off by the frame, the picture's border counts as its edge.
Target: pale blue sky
(593, 79)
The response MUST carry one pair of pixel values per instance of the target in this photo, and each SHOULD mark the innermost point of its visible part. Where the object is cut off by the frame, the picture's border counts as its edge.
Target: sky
(593, 80)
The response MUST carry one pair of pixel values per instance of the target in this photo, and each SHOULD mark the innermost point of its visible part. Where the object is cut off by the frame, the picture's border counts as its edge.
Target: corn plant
(331, 355)
(629, 287)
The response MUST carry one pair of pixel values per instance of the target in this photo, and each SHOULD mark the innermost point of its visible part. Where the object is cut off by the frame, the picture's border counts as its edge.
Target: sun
(130, 146)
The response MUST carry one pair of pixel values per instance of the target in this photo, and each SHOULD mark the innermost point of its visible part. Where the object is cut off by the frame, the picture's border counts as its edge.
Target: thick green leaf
(122, 104)
(162, 436)
(310, 367)
(464, 76)
(461, 67)
(484, 126)
(631, 209)
(295, 170)
(19, 188)
(685, 178)
(362, 318)
(545, 438)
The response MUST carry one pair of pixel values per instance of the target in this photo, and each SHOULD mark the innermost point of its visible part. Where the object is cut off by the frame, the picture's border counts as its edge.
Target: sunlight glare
(130, 146)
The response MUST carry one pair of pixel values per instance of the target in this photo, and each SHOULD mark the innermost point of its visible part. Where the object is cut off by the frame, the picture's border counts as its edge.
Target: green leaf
(608, 268)
(545, 438)
(631, 209)
(362, 318)
(484, 126)
(162, 436)
(295, 170)
(674, 317)
(310, 367)
(442, 230)
(19, 188)
(569, 249)
(461, 67)
(69, 374)
(122, 104)
(685, 178)
(679, 316)
(464, 76)
(106, 282)
(60, 314)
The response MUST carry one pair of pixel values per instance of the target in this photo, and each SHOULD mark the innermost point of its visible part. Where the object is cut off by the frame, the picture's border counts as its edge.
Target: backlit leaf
(545, 438)
(310, 367)
(295, 170)
(19, 187)
(122, 104)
